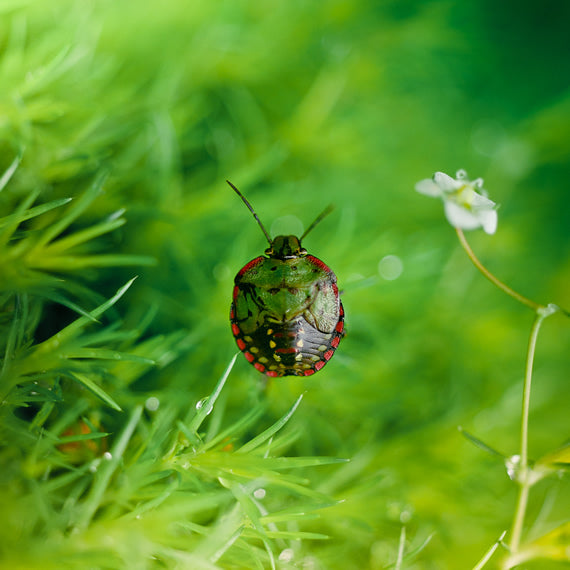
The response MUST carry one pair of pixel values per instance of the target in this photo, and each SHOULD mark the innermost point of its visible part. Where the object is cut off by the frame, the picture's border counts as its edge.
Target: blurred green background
(302, 104)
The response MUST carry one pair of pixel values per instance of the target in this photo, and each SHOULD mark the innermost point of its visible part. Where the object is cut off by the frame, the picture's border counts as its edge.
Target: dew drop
(152, 404)
(310, 563)
(116, 215)
(107, 456)
(512, 464)
(390, 267)
(286, 555)
(259, 493)
(204, 402)
(200, 403)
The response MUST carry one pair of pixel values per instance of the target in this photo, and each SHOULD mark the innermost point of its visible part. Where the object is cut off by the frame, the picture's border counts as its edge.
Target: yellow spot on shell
(277, 357)
(300, 343)
(299, 357)
(314, 358)
(253, 349)
(272, 344)
(262, 359)
(269, 331)
(322, 348)
(247, 339)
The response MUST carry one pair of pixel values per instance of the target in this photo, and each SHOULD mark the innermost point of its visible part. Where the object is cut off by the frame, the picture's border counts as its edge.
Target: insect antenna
(322, 215)
(252, 211)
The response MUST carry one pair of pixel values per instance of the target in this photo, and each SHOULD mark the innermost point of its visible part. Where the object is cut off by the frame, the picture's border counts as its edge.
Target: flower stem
(518, 297)
(523, 476)
(524, 473)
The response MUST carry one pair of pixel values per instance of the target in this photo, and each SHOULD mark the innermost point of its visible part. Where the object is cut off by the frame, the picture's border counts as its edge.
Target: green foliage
(124, 443)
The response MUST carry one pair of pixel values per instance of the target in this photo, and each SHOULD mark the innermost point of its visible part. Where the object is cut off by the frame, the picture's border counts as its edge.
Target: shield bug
(286, 314)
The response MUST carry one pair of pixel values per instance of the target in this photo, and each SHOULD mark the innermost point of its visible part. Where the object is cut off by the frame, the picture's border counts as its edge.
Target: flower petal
(459, 217)
(446, 183)
(489, 221)
(482, 202)
(429, 188)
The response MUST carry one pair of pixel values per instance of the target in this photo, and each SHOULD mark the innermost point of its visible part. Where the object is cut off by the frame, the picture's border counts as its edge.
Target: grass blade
(270, 432)
(9, 172)
(95, 389)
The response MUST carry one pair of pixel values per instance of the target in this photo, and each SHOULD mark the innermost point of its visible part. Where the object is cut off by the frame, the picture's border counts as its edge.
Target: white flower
(465, 202)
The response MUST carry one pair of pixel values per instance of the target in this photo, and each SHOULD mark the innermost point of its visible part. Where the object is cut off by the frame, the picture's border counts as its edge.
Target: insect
(286, 314)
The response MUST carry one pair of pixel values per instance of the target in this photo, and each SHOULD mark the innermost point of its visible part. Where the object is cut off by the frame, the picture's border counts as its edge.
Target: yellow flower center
(465, 196)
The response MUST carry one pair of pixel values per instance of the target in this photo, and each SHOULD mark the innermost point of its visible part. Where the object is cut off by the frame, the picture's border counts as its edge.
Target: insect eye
(269, 251)
(302, 251)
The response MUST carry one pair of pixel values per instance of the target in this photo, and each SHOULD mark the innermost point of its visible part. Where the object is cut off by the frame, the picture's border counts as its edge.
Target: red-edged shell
(286, 314)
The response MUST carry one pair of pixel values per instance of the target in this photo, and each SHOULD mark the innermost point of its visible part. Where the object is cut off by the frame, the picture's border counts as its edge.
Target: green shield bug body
(286, 314)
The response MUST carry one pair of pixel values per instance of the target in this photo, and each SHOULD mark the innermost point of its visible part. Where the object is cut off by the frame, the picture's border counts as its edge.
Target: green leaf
(558, 459)
(230, 434)
(106, 354)
(551, 463)
(76, 262)
(17, 330)
(72, 329)
(296, 535)
(41, 77)
(106, 470)
(7, 229)
(95, 389)
(297, 513)
(82, 437)
(9, 172)
(207, 404)
(76, 209)
(554, 545)
(63, 300)
(82, 236)
(480, 444)
(20, 217)
(487, 556)
(32, 392)
(270, 432)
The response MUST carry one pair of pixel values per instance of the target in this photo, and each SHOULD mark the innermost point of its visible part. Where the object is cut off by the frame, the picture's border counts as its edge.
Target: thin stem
(518, 520)
(523, 472)
(523, 477)
(401, 547)
(526, 388)
(489, 552)
(518, 297)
